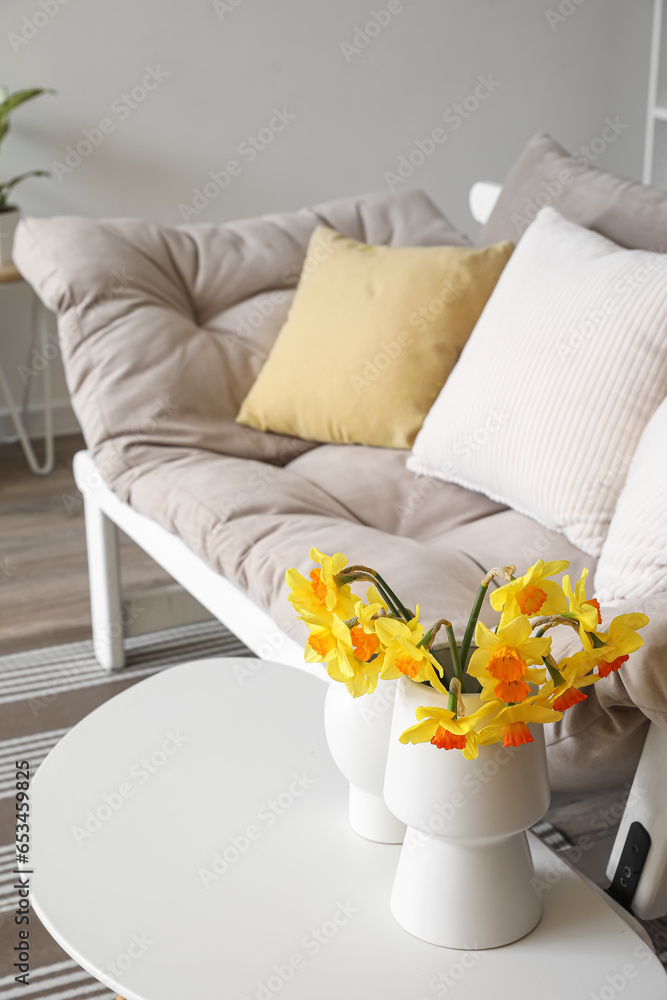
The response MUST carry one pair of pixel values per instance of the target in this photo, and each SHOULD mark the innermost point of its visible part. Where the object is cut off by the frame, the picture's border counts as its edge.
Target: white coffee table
(206, 760)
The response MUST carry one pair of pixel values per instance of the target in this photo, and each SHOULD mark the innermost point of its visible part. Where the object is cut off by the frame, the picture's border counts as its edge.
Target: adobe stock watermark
(442, 982)
(372, 709)
(224, 7)
(580, 160)
(32, 24)
(566, 9)
(606, 820)
(615, 982)
(271, 644)
(136, 948)
(424, 489)
(471, 443)
(40, 358)
(139, 774)
(311, 944)
(417, 322)
(454, 117)
(268, 814)
(608, 480)
(593, 319)
(247, 151)
(467, 446)
(259, 480)
(473, 783)
(60, 678)
(364, 34)
(267, 306)
(6, 571)
(121, 109)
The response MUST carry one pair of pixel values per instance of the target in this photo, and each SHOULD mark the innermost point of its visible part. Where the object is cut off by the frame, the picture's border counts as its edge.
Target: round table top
(190, 839)
(9, 273)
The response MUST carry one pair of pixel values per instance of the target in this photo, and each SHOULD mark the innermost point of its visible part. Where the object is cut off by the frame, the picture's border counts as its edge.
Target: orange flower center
(407, 665)
(506, 664)
(604, 668)
(568, 698)
(596, 604)
(445, 740)
(319, 588)
(511, 692)
(530, 599)
(321, 643)
(365, 645)
(515, 734)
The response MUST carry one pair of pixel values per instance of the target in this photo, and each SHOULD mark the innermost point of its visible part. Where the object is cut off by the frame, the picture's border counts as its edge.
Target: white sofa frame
(199, 593)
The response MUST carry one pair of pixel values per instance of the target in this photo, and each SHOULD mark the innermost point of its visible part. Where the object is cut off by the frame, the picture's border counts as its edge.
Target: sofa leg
(104, 581)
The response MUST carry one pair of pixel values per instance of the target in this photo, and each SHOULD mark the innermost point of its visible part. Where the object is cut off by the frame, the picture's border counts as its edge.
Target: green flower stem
(555, 673)
(366, 573)
(427, 642)
(454, 651)
(407, 614)
(452, 703)
(345, 577)
(472, 622)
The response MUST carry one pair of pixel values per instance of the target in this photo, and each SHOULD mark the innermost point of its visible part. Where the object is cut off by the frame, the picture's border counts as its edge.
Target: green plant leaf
(7, 186)
(13, 101)
(10, 102)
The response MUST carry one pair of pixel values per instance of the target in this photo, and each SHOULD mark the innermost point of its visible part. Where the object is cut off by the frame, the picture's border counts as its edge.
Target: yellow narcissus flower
(331, 642)
(364, 677)
(511, 723)
(321, 591)
(501, 660)
(620, 641)
(576, 673)
(444, 730)
(403, 656)
(586, 612)
(532, 594)
(364, 639)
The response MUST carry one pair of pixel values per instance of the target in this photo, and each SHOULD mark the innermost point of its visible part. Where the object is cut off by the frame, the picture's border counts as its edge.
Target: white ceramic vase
(357, 731)
(465, 873)
(9, 220)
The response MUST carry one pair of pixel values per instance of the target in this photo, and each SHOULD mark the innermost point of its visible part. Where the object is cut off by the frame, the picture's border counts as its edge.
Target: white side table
(190, 839)
(9, 274)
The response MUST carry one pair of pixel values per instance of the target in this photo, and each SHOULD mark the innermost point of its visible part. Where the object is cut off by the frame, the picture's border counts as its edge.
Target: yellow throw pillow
(372, 335)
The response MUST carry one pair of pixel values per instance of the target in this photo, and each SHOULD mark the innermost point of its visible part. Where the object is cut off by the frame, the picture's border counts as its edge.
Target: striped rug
(43, 693)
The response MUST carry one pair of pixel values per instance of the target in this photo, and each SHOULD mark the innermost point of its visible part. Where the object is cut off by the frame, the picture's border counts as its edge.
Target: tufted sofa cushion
(164, 330)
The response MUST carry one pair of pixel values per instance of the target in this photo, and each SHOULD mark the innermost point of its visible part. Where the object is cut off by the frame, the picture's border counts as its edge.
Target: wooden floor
(43, 570)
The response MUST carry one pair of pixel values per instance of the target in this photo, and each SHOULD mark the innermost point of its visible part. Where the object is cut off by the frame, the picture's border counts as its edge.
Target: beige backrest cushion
(164, 330)
(631, 214)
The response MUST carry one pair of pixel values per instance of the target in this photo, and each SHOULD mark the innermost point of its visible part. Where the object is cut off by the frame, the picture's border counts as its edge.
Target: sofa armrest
(482, 199)
(647, 805)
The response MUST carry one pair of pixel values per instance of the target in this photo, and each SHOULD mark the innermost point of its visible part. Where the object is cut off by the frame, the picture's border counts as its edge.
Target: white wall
(227, 65)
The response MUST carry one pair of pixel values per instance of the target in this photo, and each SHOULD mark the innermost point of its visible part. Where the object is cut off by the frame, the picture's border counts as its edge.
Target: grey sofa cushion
(631, 214)
(164, 330)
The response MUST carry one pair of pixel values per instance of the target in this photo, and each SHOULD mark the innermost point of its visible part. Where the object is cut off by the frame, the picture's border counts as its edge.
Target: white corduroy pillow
(633, 561)
(564, 369)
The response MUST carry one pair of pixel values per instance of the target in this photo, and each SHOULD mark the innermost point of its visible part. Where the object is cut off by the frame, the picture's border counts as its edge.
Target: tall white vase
(357, 731)
(465, 873)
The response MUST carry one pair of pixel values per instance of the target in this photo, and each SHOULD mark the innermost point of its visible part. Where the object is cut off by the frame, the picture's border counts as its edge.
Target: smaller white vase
(9, 220)
(357, 731)
(465, 876)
